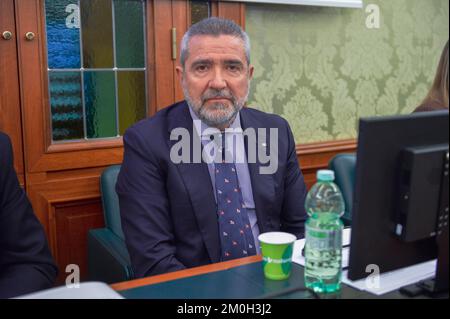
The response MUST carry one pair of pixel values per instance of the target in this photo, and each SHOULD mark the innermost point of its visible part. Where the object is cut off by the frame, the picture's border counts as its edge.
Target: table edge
(190, 272)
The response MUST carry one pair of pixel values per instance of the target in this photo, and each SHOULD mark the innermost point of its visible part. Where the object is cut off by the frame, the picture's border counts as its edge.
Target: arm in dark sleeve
(26, 264)
(145, 210)
(293, 214)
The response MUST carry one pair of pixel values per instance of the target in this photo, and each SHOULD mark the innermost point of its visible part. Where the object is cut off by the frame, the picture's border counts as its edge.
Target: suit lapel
(262, 184)
(198, 185)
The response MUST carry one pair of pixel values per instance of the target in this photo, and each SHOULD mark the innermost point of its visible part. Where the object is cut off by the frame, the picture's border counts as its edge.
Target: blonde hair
(439, 91)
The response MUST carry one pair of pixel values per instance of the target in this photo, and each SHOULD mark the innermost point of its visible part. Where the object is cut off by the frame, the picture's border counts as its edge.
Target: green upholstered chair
(344, 166)
(108, 258)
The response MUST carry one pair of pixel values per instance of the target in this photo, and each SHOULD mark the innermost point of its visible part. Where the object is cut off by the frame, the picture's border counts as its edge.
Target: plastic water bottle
(323, 234)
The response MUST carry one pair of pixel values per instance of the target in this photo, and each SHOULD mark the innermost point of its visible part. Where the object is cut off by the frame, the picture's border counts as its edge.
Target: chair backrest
(344, 167)
(110, 201)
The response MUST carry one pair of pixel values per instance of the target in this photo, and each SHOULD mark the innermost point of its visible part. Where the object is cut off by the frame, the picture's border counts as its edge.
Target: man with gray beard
(194, 187)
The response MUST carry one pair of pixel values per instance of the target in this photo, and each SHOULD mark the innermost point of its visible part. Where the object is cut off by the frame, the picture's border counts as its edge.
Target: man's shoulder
(268, 119)
(6, 152)
(5, 142)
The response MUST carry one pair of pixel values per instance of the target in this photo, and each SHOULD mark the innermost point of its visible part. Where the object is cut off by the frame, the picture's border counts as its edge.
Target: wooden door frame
(10, 119)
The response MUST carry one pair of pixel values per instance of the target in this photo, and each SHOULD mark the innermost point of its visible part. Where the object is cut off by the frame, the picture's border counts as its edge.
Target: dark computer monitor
(400, 204)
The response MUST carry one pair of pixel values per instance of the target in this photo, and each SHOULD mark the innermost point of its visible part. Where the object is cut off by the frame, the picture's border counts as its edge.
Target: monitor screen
(398, 191)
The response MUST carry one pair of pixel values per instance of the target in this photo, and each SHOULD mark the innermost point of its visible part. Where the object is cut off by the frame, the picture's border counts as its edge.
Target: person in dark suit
(178, 214)
(437, 97)
(26, 264)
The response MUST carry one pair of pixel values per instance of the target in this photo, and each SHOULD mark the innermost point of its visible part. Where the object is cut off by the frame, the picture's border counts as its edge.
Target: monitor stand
(438, 284)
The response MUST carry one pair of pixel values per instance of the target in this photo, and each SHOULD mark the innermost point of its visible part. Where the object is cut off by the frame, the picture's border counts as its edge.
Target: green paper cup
(276, 248)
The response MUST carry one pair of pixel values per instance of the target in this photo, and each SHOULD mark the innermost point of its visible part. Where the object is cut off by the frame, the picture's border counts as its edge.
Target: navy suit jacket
(26, 264)
(168, 210)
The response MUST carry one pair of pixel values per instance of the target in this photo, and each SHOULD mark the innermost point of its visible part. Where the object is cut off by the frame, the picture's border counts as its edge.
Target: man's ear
(250, 72)
(179, 71)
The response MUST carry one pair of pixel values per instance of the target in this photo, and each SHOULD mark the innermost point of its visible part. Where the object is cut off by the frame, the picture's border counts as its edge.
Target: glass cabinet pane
(96, 67)
(66, 105)
(200, 9)
(97, 33)
(129, 33)
(100, 102)
(63, 34)
(131, 87)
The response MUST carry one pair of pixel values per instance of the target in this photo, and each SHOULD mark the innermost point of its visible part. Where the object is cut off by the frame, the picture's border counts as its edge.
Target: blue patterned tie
(235, 232)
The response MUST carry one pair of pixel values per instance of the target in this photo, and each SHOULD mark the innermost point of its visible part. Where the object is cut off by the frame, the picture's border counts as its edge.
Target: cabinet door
(10, 120)
(84, 79)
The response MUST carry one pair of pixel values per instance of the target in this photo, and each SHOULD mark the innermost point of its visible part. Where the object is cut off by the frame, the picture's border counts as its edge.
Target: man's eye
(233, 68)
(201, 68)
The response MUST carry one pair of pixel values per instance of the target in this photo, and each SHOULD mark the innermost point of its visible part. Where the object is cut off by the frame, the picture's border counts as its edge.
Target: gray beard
(215, 120)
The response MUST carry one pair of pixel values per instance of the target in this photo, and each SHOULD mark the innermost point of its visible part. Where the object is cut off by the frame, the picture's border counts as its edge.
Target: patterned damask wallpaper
(322, 68)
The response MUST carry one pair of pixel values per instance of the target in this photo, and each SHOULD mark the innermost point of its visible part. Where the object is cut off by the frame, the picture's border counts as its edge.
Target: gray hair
(213, 27)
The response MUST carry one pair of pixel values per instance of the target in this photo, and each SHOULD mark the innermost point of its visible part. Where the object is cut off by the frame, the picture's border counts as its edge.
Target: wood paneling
(231, 11)
(72, 222)
(151, 58)
(67, 204)
(180, 20)
(10, 116)
(28, 18)
(315, 156)
(164, 65)
(46, 191)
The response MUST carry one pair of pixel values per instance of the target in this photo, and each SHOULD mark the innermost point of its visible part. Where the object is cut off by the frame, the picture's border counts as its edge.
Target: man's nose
(218, 81)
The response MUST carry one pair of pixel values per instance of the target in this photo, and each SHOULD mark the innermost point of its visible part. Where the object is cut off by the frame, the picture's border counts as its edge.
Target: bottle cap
(325, 175)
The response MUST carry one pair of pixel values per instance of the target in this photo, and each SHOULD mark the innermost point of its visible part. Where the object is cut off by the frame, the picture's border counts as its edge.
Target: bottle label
(323, 239)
